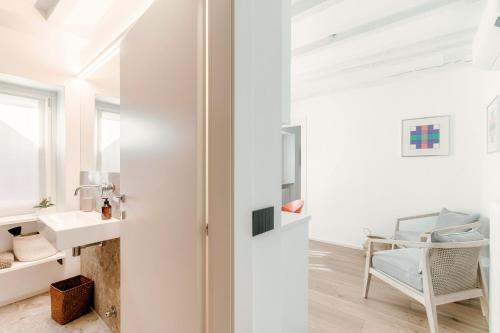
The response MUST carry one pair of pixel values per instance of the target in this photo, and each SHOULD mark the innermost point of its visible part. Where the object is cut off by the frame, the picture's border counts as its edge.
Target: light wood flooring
(336, 304)
(33, 316)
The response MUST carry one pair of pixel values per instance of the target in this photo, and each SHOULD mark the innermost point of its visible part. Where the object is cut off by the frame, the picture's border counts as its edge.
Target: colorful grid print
(425, 137)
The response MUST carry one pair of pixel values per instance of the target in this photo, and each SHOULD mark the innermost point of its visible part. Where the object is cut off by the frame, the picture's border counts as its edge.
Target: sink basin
(71, 229)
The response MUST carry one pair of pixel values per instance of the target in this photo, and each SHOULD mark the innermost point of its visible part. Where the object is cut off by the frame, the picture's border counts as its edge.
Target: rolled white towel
(6, 259)
(32, 247)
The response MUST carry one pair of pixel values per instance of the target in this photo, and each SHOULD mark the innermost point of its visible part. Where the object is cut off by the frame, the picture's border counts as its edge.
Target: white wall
(258, 103)
(491, 162)
(295, 276)
(494, 300)
(491, 197)
(356, 176)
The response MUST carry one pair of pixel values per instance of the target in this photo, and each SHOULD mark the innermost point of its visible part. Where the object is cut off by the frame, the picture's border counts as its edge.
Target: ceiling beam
(60, 13)
(38, 28)
(308, 7)
(363, 78)
(46, 7)
(375, 25)
(441, 52)
(443, 43)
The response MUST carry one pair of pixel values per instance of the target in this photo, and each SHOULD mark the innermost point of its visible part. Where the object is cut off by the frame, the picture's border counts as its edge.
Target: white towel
(32, 247)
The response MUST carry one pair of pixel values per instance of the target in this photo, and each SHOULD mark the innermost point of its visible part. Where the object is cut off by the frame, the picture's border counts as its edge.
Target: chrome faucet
(104, 187)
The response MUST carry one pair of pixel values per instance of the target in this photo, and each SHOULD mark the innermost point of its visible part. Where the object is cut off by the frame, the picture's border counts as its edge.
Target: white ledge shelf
(289, 220)
(19, 265)
(18, 219)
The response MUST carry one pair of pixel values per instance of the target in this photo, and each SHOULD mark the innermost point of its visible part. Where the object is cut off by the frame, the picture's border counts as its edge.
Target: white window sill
(17, 219)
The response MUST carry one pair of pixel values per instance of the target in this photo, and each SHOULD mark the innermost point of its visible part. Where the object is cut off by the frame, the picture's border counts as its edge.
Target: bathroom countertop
(17, 219)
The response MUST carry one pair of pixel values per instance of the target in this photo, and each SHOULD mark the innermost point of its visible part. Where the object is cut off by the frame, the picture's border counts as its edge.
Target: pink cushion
(293, 207)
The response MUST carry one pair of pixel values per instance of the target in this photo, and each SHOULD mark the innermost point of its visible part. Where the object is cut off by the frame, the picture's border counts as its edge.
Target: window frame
(47, 155)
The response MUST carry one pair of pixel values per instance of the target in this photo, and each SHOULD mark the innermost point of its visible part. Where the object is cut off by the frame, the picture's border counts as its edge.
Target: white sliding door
(162, 111)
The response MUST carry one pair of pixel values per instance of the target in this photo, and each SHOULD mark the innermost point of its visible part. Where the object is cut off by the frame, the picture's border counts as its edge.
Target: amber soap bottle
(106, 210)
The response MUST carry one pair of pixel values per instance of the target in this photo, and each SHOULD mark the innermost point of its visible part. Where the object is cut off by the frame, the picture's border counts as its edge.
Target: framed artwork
(426, 136)
(492, 126)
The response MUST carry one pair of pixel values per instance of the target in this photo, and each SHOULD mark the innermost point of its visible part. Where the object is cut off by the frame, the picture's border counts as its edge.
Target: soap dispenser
(106, 210)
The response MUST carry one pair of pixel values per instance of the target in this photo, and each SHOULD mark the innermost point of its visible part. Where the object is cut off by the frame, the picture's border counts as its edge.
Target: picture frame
(493, 126)
(427, 136)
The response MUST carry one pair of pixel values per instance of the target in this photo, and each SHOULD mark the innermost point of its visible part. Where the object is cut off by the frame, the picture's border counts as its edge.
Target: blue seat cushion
(400, 264)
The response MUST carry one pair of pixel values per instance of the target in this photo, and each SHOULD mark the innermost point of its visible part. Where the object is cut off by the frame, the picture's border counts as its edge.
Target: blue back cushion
(448, 218)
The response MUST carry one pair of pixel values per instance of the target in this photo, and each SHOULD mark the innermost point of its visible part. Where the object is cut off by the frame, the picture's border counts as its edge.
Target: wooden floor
(336, 304)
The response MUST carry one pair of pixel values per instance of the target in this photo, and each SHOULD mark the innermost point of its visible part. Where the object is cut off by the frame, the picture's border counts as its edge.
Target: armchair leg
(484, 298)
(484, 306)
(430, 305)
(431, 311)
(366, 288)
(368, 276)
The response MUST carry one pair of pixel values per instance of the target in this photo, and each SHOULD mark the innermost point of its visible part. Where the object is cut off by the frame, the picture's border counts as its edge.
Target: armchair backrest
(448, 218)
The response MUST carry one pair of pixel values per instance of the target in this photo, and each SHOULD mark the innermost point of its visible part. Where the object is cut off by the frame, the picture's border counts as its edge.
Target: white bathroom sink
(71, 229)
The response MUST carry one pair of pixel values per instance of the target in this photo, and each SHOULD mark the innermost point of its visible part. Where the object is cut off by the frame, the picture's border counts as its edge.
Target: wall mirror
(100, 118)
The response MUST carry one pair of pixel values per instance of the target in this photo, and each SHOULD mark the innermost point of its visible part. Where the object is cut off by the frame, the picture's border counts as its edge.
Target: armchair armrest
(429, 245)
(397, 242)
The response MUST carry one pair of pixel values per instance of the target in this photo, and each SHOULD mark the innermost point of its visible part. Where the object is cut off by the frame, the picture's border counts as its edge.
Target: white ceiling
(106, 79)
(339, 44)
(373, 39)
(74, 33)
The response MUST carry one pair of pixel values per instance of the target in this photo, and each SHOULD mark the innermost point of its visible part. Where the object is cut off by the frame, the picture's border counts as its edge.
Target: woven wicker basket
(6, 260)
(71, 298)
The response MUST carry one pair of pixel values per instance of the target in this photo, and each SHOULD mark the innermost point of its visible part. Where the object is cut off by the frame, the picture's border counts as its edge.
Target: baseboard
(351, 246)
(24, 296)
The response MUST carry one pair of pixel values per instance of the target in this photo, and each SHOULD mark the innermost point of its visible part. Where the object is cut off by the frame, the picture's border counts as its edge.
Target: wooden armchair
(432, 273)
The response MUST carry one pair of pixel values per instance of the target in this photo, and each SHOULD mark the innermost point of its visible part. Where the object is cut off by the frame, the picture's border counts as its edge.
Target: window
(25, 149)
(108, 137)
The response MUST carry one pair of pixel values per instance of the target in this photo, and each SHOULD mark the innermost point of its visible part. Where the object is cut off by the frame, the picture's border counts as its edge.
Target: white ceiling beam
(443, 43)
(36, 28)
(46, 7)
(305, 8)
(363, 78)
(61, 12)
(397, 18)
(369, 74)
(103, 58)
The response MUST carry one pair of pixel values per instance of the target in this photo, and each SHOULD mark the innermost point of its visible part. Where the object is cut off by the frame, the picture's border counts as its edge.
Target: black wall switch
(262, 220)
